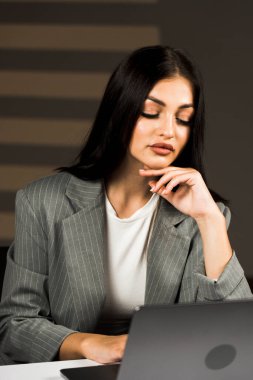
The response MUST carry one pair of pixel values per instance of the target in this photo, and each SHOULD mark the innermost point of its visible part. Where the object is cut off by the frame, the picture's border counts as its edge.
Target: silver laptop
(211, 341)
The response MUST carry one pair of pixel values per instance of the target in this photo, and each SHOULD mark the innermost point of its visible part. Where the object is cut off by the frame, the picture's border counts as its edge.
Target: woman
(132, 222)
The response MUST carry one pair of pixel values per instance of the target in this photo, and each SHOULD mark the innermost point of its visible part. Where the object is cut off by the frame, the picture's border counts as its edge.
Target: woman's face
(163, 129)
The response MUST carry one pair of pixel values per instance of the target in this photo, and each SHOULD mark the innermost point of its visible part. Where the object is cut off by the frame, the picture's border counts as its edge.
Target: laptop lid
(211, 341)
(192, 341)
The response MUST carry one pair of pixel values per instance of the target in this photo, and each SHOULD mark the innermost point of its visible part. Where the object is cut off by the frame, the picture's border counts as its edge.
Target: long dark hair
(122, 104)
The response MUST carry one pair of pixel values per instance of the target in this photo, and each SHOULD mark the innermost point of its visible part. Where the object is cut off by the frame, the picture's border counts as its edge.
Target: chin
(156, 164)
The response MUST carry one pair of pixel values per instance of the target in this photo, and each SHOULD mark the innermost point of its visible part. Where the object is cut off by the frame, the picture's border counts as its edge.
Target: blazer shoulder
(60, 195)
(45, 195)
(47, 187)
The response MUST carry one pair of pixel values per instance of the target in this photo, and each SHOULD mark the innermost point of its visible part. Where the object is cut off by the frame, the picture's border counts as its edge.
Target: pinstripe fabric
(54, 282)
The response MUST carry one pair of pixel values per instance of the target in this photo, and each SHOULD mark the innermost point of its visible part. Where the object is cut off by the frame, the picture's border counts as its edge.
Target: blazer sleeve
(27, 331)
(231, 284)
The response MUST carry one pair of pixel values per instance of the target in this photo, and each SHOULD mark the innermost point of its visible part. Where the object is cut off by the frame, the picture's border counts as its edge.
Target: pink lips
(162, 148)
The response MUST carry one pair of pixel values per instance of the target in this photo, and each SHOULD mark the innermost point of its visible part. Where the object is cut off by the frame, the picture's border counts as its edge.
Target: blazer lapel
(83, 234)
(168, 251)
(84, 242)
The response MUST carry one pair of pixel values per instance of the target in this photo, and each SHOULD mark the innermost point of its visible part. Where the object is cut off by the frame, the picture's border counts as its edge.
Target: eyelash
(183, 122)
(156, 116)
(150, 116)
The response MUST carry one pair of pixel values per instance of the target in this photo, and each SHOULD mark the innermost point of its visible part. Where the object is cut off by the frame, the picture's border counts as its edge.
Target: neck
(127, 191)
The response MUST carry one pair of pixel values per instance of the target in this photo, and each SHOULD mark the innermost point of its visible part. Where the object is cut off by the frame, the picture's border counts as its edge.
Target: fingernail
(152, 188)
(164, 192)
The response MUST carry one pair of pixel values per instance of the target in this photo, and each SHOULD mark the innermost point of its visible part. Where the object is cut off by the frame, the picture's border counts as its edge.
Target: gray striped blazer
(54, 282)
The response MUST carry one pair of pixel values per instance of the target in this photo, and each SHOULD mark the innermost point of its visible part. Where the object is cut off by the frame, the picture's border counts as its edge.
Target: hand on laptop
(103, 348)
(100, 348)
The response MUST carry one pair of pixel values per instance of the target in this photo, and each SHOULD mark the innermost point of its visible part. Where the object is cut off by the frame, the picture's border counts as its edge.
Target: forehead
(173, 91)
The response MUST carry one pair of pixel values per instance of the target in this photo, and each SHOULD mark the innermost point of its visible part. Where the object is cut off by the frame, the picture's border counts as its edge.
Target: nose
(167, 127)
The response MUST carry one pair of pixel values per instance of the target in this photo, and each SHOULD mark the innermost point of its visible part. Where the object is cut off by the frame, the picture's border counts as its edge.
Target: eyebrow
(161, 103)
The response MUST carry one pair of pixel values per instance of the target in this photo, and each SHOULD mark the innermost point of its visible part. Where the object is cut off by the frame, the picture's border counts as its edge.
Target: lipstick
(162, 148)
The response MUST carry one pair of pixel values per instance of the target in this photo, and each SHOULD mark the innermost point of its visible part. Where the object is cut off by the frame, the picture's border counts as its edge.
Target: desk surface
(40, 371)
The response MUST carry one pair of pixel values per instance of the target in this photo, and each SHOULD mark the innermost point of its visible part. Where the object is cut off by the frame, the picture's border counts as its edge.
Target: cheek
(141, 129)
(139, 138)
(184, 136)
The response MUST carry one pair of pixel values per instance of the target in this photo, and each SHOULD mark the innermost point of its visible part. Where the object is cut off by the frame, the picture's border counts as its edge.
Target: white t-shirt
(126, 261)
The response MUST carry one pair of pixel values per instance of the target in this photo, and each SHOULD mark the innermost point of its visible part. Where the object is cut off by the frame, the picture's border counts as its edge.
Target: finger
(152, 184)
(167, 178)
(179, 180)
(159, 191)
(156, 172)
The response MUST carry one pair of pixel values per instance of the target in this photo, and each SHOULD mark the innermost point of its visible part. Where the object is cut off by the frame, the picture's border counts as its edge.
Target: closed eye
(150, 115)
(184, 122)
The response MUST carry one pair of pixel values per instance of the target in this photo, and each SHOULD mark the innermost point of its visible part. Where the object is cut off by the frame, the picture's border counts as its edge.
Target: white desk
(40, 371)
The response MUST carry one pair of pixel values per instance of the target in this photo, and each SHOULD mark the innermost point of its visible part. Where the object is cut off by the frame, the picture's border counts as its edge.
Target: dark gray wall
(219, 35)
